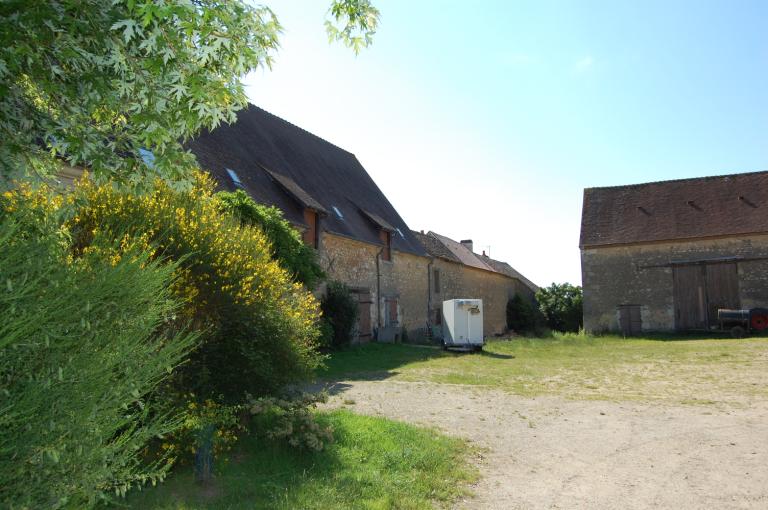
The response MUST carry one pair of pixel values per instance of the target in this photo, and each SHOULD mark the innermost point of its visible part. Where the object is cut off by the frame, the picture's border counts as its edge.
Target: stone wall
(403, 279)
(460, 281)
(612, 276)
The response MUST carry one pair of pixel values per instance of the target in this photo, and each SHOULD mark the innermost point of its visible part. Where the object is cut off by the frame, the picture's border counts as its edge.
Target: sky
(487, 119)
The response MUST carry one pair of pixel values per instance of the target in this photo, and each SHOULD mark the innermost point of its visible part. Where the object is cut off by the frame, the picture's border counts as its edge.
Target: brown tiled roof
(718, 206)
(315, 174)
(448, 249)
(504, 268)
(435, 247)
(461, 252)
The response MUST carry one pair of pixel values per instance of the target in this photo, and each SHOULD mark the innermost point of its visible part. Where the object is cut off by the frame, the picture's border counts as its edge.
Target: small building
(665, 256)
(457, 272)
(326, 193)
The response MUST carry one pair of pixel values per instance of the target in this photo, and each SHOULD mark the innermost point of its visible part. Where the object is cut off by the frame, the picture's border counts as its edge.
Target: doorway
(700, 290)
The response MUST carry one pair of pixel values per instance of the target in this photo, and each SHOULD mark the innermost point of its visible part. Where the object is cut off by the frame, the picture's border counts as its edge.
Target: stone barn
(665, 256)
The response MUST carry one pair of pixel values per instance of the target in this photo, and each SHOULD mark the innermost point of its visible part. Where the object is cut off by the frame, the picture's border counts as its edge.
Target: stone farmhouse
(456, 271)
(665, 256)
(360, 238)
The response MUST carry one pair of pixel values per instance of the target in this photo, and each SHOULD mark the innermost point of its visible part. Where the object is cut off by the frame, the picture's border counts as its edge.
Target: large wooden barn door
(690, 297)
(700, 290)
(722, 288)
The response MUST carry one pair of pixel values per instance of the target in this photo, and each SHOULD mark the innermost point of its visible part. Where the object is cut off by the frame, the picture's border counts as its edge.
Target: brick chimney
(468, 244)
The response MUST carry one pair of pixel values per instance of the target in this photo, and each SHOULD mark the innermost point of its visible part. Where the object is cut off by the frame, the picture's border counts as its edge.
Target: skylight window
(338, 213)
(400, 232)
(148, 157)
(235, 179)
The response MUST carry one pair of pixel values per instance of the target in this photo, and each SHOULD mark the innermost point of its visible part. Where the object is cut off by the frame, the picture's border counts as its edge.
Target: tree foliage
(521, 314)
(84, 345)
(340, 312)
(354, 23)
(561, 305)
(288, 248)
(90, 82)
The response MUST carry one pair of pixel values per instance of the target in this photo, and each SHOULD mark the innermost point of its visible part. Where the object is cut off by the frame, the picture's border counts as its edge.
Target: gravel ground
(548, 452)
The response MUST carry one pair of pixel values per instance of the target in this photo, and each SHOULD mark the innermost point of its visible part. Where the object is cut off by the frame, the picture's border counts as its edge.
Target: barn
(665, 256)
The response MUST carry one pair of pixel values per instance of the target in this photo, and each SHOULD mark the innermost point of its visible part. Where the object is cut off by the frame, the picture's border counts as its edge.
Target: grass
(685, 370)
(373, 463)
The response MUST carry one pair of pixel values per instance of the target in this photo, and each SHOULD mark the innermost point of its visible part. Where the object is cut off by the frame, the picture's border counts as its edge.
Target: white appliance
(463, 323)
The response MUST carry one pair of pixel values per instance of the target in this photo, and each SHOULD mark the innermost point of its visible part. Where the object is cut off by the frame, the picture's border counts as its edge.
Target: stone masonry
(642, 275)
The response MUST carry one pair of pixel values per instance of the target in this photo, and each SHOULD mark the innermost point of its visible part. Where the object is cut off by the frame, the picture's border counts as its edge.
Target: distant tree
(561, 305)
(521, 314)
(91, 82)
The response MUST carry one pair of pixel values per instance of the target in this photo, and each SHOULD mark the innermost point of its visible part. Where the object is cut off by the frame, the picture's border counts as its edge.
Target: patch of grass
(374, 463)
(693, 371)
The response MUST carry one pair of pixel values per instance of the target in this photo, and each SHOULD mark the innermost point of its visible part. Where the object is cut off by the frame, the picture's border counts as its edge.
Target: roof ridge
(704, 178)
(301, 129)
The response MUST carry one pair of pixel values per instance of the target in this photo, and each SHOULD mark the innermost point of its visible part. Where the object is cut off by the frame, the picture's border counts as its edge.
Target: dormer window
(311, 235)
(386, 238)
(235, 178)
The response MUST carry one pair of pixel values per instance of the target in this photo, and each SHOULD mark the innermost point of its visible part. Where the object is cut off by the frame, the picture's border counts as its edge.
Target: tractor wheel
(759, 321)
(737, 332)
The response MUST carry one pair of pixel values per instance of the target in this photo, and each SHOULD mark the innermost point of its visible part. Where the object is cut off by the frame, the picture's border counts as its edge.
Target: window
(338, 212)
(235, 178)
(386, 238)
(436, 279)
(312, 233)
(400, 232)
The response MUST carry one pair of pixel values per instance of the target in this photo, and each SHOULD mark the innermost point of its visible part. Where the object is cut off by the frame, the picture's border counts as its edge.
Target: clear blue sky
(486, 119)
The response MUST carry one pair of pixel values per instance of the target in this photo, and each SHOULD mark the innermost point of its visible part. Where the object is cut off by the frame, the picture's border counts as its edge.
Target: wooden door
(630, 320)
(364, 303)
(690, 294)
(722, 289)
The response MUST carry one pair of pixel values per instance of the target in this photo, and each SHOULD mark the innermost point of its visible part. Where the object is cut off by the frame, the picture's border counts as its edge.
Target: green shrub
(288, 248)
(84, 345)
(561, 305)
(521, 315)
(260, 326)
(291, 418)
(340, 311)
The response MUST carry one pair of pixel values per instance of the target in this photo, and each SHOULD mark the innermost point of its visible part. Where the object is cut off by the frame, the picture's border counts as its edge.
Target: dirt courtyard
(548, 452)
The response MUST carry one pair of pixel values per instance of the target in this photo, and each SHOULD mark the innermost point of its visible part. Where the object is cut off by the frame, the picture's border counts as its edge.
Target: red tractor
(740, 322)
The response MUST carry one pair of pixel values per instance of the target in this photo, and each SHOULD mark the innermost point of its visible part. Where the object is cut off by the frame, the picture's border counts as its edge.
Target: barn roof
(461, 252)
(446, 248)
(435, 247)
(505, 268)
(280, 164)
(724, 205)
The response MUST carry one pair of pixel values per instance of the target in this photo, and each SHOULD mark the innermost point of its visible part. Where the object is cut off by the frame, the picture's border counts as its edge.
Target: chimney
(484, 255)
(467, 243)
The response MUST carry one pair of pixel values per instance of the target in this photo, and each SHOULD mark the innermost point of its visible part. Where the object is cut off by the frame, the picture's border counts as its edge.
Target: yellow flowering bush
(261, 327)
